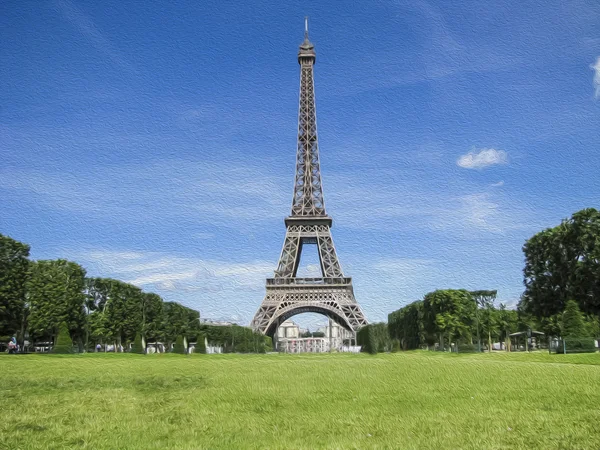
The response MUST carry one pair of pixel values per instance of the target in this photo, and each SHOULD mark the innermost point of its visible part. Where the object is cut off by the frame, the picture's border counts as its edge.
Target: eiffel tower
(331, 294)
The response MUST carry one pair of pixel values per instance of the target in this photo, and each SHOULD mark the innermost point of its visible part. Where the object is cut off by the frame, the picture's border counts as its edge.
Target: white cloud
(498, 184)
(486, 157)
(596, 69)
(150, 270)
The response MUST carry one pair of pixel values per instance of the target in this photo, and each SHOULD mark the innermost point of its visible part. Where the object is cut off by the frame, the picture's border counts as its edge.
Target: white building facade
(337, 338)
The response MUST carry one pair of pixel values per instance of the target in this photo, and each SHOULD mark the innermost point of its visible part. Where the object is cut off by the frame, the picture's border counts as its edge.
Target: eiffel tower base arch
(285, 298)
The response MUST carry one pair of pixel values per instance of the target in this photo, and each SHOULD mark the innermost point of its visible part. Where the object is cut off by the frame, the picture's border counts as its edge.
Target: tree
(14, 265)
(551, 326)
(152, 317)
(507, 323)
(97, 328)
(484, 298)
(175, 320)
(191, 327)
(120, 310)
(63, 342)
(447, 324)
(97, 292)
(563, 263)
(123, 311)
(486, 315)
(593, 326)
(573, 323)
(489, 324)
(485, 301)
(55, 291)
(449, 312)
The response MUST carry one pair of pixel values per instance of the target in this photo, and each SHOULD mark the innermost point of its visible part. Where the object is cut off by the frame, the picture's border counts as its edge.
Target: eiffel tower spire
(331, 294)
(308, 189)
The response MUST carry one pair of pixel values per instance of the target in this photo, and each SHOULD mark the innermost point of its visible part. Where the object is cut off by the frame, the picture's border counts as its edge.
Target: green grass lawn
(413, 400)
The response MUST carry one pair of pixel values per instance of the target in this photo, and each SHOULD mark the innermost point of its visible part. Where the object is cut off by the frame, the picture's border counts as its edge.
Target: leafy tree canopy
(14, 265)
(55, 290)
(563, 263)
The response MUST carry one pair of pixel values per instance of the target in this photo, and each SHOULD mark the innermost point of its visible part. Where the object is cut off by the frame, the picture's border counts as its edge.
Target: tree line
(454, 315)
(37, 297)
(561, 297)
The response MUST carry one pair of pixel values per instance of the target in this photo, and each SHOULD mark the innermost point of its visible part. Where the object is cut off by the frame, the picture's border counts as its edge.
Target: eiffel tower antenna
(305, 27)
(331, 294)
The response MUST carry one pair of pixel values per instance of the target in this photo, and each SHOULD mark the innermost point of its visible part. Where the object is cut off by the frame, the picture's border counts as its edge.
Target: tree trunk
(21, 340)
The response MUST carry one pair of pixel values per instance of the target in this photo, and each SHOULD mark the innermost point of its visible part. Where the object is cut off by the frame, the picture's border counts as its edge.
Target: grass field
(413, 400)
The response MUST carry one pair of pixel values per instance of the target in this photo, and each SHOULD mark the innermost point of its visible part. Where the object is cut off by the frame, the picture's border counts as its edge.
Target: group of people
(12, 346)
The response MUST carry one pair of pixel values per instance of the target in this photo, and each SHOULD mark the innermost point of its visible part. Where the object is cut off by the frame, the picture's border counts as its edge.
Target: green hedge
(576, 345)
(406, 325)
(268, 344)
(467, 348)
(374, 338)
(236, 339)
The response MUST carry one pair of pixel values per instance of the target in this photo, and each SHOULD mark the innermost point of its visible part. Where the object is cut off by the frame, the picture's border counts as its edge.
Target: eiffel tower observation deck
(331, 294)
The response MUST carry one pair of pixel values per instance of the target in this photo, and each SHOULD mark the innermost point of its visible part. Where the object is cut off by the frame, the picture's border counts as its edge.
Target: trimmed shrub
(63, 343)
(137, 345)
(573, 323)
(200, 344)
(576, 345)
(179, 347)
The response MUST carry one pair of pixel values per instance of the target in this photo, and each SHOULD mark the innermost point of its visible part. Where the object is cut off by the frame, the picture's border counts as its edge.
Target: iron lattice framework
(332, 293)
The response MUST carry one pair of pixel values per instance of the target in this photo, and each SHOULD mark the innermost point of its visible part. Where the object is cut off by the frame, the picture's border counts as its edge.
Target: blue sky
(155, 143)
